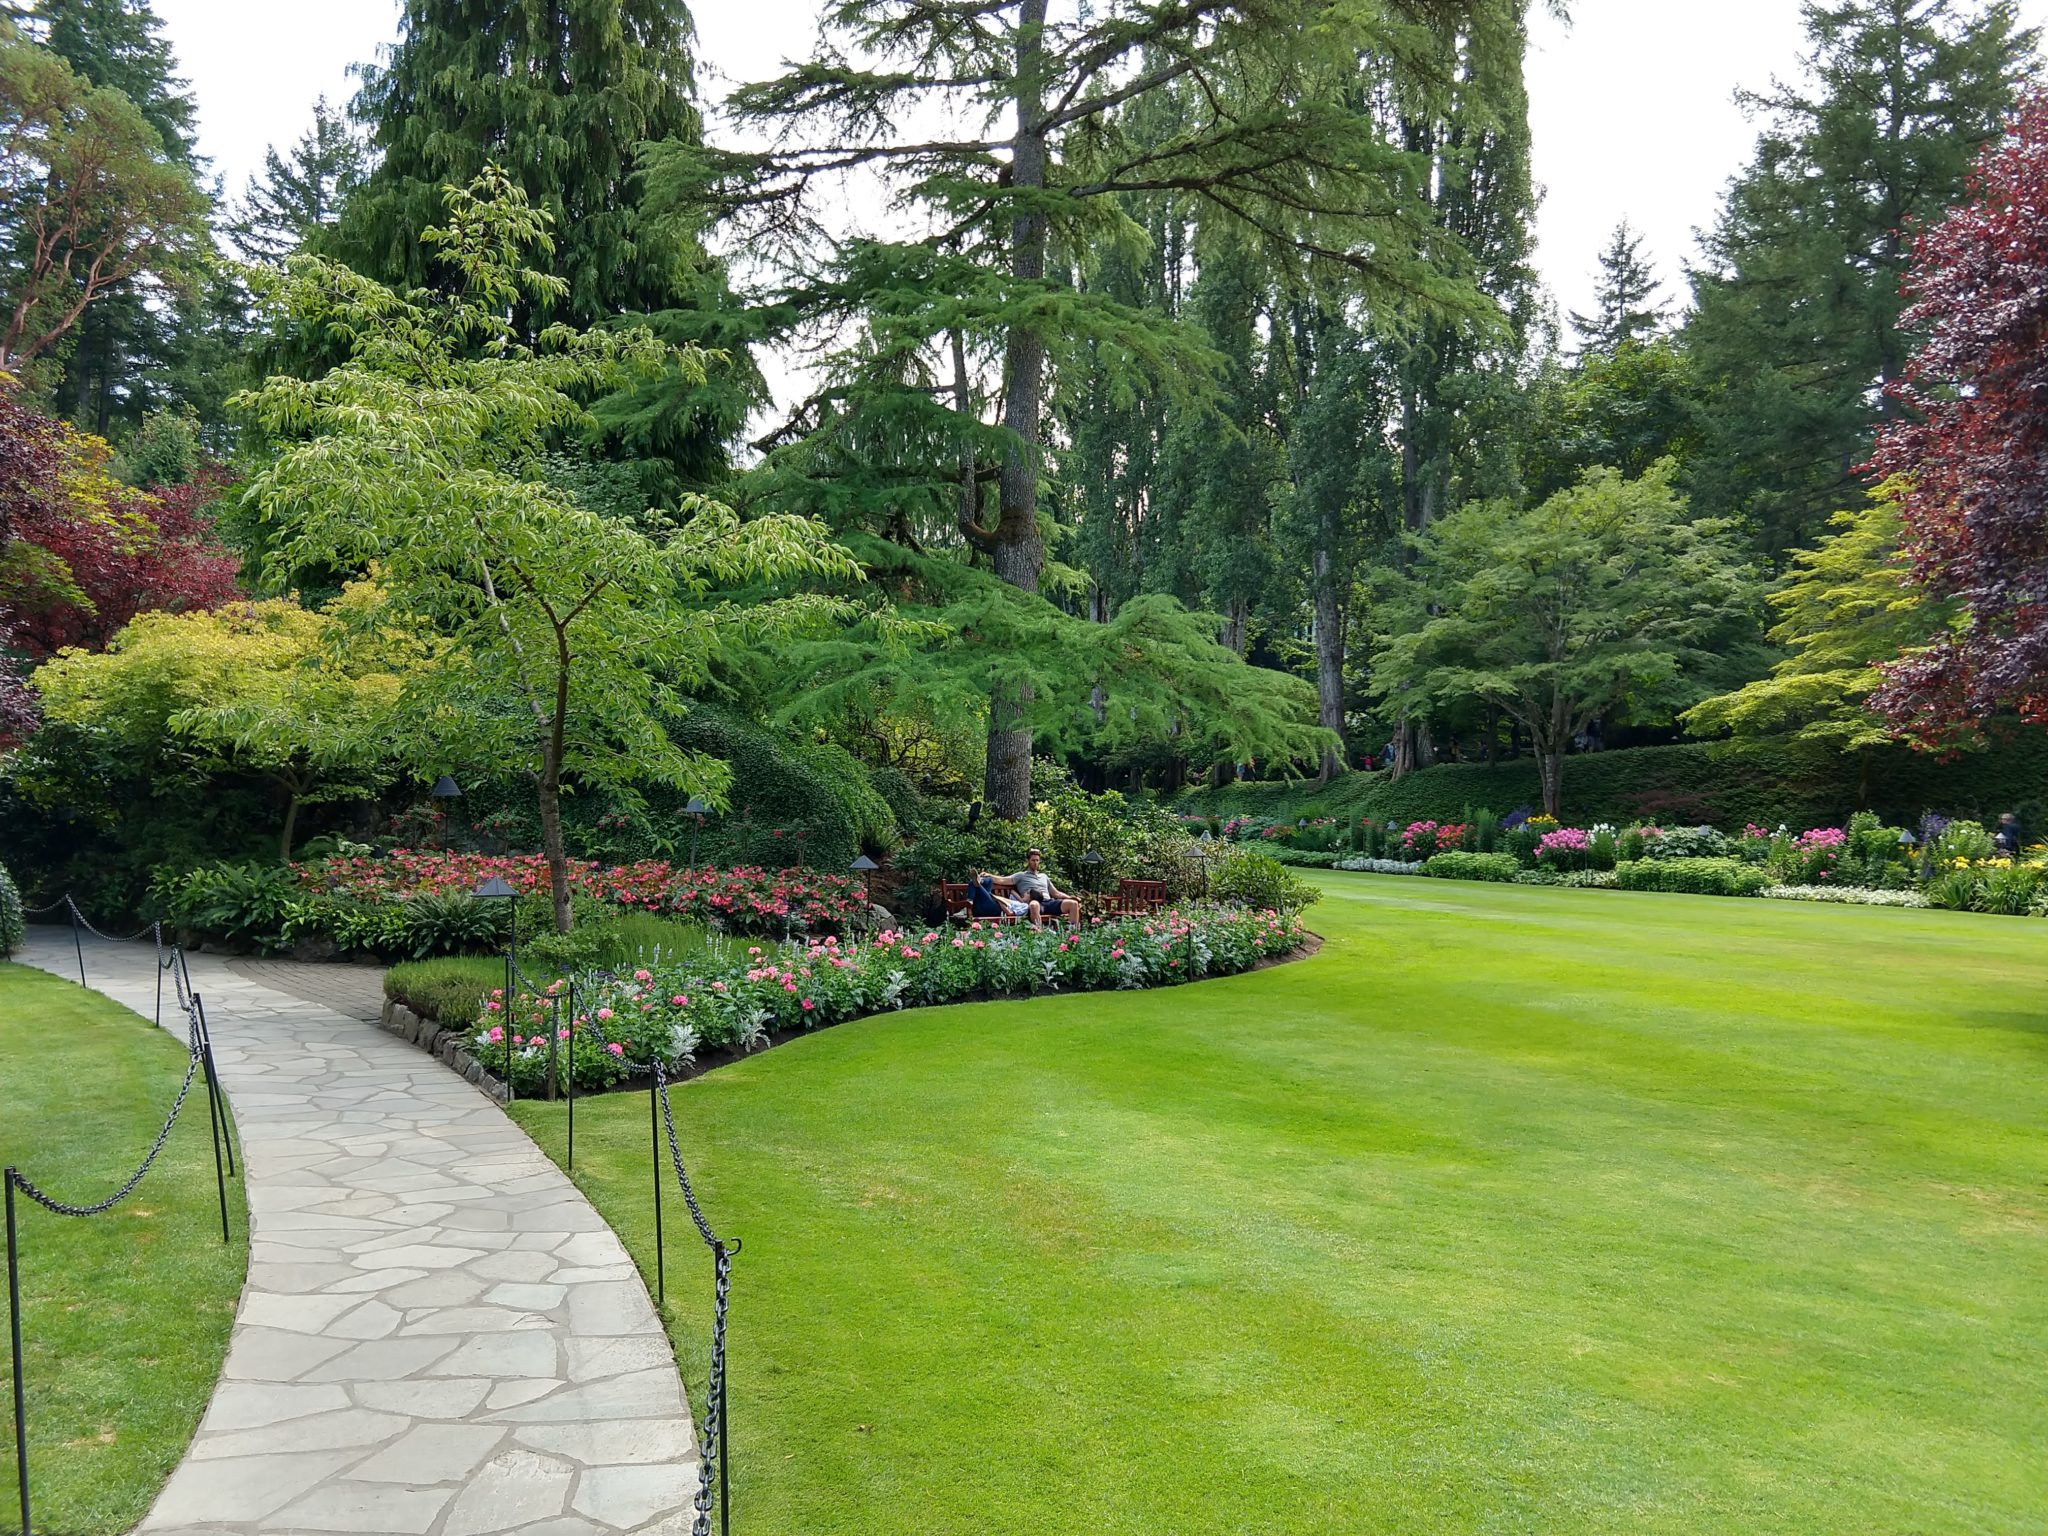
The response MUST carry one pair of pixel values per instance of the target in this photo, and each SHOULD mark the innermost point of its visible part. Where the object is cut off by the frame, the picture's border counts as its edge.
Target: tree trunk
(1235, 623)
(1329, 663)
(291, 825)
(1015, 549)
(1550, 765)
(552, 843)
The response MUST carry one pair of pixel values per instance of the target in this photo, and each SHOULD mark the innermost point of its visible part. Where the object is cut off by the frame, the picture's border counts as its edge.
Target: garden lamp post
(697, 810)
(865, 867)
(445, 790)
(1092, 862)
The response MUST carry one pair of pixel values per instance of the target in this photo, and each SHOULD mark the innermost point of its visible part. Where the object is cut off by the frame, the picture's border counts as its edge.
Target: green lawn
(1515, 1210)
(125, 1316)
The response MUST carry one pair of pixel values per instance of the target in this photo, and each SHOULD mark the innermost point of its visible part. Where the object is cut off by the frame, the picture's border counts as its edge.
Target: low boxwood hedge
(1500, 867)
(1696, 877)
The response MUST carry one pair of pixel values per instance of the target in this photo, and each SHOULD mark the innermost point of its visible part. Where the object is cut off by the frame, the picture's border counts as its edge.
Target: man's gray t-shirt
(1032, 887)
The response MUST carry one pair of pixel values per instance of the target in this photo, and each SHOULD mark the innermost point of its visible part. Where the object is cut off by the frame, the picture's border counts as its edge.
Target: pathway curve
(439, 1335)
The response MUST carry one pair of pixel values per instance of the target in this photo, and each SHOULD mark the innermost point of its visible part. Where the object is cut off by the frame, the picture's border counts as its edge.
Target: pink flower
(680, 1000)
(807, 1005)
(604, 1013)
(615, 1048)
(643, 975)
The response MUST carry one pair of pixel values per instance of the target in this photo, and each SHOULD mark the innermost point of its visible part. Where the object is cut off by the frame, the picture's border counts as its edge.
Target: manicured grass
(125, 1316)
(1514, 1210)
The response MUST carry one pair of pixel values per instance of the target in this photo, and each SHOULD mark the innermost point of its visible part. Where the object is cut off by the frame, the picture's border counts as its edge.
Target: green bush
(629, 941)
(1252, 877)
(1697, 877)
(1301, 858)
(872, 817)
(1688, 843)
(13, 925)
(245, 904)
(1501, 867)
(451, 989)
(452, 924)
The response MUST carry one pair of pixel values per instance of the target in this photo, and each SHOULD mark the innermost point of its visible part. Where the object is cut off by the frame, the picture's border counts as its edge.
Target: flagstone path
(439, 1335)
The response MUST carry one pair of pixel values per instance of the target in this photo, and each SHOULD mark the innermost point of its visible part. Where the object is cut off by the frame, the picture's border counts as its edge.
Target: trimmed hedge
(1500, 867)
(1722, 784)
(1695, 877)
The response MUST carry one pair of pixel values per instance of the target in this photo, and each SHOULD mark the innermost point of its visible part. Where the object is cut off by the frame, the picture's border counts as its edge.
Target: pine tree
(1627, 298)
(1796, 327)
(300, 195)
(1031, 149)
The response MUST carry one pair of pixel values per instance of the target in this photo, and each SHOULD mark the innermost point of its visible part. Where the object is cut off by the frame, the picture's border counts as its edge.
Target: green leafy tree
(306, 700)
(1796, 327)
(1844, 607)
(1625, 409)
(568, 637)
(1026, 150)
(1605, 600)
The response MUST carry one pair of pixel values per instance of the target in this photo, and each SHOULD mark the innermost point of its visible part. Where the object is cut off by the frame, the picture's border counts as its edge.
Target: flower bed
(735, 996)
(747, 899)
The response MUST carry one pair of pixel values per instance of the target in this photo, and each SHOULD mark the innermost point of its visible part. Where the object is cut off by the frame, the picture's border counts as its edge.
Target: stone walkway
(439, 1335)
(353, 991)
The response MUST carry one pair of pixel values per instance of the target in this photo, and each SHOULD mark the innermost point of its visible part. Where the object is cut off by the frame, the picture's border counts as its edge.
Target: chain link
(711, 1437)
(60, 1208)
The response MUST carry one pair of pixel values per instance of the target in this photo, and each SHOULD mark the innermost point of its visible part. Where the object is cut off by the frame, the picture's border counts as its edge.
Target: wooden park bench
(1134, 898)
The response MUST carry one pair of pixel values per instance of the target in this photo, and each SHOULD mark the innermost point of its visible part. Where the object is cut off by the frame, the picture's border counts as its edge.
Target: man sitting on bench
(1045, 899)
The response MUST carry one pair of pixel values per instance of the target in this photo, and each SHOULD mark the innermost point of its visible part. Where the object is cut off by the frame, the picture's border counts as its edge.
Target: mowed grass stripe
(125, 1316)
(1514, 1210)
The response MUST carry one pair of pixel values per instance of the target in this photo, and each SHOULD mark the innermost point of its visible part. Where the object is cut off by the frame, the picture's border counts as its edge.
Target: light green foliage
(1591, 1121)
(1597, 603)
(308, 700)
(1697, 877)
(568, 637)
(1844, 606)
(1499, 867)
(1252, 877)
(450, 988)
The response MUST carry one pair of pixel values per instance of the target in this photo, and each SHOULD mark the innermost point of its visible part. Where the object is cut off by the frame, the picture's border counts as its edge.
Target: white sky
(1631, 105)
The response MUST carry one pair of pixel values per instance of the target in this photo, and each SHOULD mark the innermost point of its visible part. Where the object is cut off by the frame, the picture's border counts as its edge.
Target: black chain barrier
(198, 1063)
(714, 1440)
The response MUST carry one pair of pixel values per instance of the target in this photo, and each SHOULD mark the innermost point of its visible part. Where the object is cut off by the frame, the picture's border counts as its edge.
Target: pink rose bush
(732, 996)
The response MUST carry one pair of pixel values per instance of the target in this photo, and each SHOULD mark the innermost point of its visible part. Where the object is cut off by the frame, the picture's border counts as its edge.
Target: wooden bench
(953, 895)
(1135, 898)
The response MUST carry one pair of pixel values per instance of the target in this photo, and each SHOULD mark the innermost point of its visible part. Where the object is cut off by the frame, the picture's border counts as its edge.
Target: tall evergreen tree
(562, 95)
(1031, 147)
(1796, 328)
(1627, 308)
(299, 195)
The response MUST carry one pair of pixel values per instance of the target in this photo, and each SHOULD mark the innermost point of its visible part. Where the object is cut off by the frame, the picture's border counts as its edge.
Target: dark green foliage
(1798, 304)
(1688, 843)
(1500, 867)
(244, 904)
(1630, 311)
(1697, 877)
(299, 196)
(1722, 784)
(11, 919)
(453, 924)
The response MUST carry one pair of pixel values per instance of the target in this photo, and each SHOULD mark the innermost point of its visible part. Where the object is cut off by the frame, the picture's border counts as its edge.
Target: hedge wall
(1722, 784)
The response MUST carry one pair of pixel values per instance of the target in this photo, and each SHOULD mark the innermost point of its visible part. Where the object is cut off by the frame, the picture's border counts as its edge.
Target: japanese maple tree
(1972, 449)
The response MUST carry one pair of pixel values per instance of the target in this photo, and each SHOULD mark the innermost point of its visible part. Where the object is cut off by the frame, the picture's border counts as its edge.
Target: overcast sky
(1631, 105)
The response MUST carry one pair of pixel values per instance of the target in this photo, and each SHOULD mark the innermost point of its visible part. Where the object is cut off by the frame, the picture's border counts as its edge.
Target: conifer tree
(1030, 156)
(300, 194)
(562, 95)
(1627, 305)
(1796, 328)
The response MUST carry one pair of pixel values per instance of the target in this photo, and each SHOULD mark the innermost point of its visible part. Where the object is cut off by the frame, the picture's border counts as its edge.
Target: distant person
(1035, 886)
(2007, 837)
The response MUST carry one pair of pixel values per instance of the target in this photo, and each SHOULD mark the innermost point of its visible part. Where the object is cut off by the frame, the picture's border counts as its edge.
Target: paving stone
(438, 1336)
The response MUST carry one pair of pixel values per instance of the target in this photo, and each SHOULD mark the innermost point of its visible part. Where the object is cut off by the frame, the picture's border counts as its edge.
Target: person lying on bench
(984, 900)
(1044, 898)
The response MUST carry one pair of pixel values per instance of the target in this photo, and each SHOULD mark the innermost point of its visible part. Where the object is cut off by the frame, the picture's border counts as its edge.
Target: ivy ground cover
(125, 1316)
(1514, 1209)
